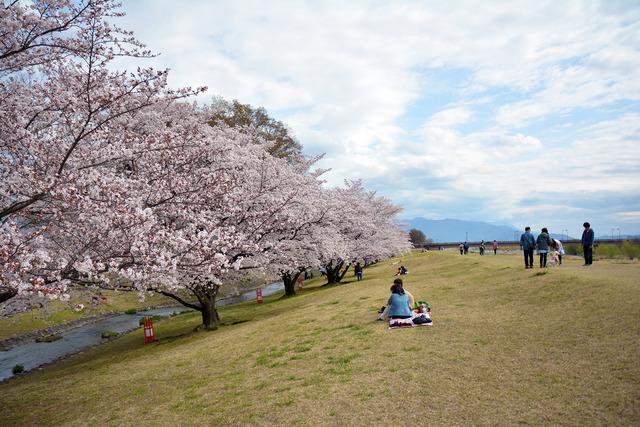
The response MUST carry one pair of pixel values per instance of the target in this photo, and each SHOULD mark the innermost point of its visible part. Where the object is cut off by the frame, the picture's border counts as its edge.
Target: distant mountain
(456, 230)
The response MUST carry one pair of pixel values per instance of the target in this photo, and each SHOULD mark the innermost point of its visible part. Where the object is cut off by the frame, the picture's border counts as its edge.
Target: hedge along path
(509, 346)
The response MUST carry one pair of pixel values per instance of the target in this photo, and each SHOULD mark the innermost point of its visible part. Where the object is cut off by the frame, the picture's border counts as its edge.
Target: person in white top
(557, 245)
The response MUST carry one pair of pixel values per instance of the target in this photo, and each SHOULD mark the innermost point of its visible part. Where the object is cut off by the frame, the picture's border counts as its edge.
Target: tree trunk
(6, 294)
(341, 275)
(210, 319)
(289, 285)
(333, 272)
(207, 297)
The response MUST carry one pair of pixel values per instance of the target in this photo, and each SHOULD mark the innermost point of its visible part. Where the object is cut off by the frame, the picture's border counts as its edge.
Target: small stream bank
(82, 335)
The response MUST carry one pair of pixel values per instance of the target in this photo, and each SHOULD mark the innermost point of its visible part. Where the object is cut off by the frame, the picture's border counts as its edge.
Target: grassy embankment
(556, 346)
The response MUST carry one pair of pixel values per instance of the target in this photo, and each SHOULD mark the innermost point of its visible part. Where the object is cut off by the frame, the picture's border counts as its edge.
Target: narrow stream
(33, 354)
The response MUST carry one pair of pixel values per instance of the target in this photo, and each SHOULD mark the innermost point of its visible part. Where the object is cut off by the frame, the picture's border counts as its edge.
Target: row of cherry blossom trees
(112, 179)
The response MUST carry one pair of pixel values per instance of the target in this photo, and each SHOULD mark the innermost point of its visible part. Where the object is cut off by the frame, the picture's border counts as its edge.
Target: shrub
(631, 250)
(608, 251)
(155, 318)
(573, 249)
(18, 369)
(131, 311)
(49, 338)
(109, 334)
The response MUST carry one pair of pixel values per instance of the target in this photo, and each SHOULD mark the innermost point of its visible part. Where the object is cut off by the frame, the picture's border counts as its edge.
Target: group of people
(403, 310)
(464, 248)
(402, 270)
(548, 246)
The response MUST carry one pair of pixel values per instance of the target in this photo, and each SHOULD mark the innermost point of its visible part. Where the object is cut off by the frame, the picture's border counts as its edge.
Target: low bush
(607, 250)
(631, 250)
(131, 311)
(572, 249)
(109, 334)
(155, 318)
(18, 369)
(49, 338)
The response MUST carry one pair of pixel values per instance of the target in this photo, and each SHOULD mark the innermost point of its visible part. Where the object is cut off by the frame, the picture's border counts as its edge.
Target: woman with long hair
(399, 303)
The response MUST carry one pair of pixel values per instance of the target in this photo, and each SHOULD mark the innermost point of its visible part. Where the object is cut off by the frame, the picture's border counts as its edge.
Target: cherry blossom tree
(63, 113)
(110, 179)
(367, 227)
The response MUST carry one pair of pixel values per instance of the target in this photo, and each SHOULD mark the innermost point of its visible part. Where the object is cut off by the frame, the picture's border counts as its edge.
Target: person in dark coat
(588, 236)
(543, 242)
(527, 244)
(358, 271)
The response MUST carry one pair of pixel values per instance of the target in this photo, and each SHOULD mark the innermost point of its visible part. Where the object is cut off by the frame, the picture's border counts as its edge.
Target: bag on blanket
(421, 319)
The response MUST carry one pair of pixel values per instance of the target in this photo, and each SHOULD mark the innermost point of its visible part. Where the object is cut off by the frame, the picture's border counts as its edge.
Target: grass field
(508, 346)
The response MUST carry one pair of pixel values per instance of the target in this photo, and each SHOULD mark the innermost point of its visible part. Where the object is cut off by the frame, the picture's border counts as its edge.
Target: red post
(299, 282)
(149, 335)
(259, 295)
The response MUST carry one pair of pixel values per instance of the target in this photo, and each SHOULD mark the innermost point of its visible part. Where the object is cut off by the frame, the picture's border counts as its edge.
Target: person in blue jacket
(527, 244)
(398, 303)
(588, 237)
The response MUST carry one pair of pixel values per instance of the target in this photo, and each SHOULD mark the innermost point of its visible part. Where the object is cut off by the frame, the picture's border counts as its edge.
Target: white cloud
(345, 75)
(631, 217)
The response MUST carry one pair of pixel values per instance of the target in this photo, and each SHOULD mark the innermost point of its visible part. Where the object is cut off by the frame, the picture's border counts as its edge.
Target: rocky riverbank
(9, 343)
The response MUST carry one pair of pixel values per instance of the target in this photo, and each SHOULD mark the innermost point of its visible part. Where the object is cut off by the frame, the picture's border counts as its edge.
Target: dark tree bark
(335, 272)
(290, 281)
(207, 298)
(341, 275)
(206, 295)
(6, 294)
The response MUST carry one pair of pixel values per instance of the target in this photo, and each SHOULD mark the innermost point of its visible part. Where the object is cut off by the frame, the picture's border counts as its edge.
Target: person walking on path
(495, 247)
(461, 248)
(527, 244)
(466, 248)
(543, 242)
(557, 245)
(588, 237)
(358, 271)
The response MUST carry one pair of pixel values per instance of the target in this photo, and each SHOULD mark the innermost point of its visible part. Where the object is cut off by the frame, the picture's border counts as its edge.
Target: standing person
(358, 271)
(527, 244)
(482, 248)
(495, 247)
(461, 247)
(543, 242)
(466, 248)
(557, 245)
(588, 237)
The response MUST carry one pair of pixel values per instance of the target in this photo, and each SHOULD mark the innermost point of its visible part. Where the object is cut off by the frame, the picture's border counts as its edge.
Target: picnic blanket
(408, 323)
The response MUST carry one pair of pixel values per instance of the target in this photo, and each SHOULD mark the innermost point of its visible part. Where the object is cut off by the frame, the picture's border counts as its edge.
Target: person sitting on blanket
(384, 311)
(402, 271)
(399, 305)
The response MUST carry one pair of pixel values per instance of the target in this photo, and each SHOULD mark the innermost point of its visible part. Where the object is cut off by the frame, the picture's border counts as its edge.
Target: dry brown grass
(509, 346)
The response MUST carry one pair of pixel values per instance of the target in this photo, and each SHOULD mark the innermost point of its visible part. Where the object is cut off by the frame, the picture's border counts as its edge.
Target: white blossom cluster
(108, 177)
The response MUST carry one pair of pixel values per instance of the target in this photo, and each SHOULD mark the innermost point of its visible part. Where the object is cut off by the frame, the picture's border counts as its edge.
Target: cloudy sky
(524, 113)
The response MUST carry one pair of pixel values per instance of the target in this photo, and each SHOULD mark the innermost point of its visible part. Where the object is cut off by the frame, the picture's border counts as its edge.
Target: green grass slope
(509, 345)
